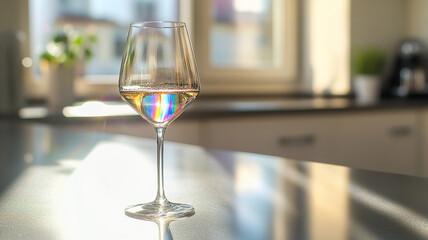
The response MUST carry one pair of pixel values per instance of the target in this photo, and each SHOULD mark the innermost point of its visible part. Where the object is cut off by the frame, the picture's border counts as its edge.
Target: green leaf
(69, 48)
(369, 61)
(93, 38)
(79, 40)
(61, 38)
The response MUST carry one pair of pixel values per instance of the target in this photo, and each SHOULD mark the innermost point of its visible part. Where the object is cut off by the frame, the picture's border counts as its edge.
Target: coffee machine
(408, 76)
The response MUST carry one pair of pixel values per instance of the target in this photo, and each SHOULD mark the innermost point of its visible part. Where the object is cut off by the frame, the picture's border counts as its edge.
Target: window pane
(241, 33)
(107, 19)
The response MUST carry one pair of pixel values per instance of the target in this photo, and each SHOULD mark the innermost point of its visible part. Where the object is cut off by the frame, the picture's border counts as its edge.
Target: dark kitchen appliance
(409, 73)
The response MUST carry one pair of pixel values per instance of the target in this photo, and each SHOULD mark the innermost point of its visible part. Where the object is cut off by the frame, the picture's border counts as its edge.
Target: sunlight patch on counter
(98, 109)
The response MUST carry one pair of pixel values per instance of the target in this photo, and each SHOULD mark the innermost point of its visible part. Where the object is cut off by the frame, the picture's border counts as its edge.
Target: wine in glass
(159, 79)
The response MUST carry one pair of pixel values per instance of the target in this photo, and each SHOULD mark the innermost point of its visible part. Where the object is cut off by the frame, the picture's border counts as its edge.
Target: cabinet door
(291, 136)
(382, 140)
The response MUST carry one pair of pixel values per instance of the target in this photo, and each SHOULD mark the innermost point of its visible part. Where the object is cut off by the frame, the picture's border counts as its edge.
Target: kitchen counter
(61, 184)
(387, 136)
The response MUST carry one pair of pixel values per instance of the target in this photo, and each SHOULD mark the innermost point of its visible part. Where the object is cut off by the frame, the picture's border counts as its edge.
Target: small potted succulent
(60, 63)
(367, 68)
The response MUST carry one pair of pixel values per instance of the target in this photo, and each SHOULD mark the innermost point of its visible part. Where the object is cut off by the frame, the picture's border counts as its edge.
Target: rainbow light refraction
(161, 107)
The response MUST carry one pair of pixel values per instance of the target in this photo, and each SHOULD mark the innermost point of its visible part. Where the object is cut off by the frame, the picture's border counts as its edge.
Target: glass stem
(160, 133)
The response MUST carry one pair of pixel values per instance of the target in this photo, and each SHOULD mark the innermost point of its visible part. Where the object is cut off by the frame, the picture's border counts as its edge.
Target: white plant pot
(367, 88)
(60, 87)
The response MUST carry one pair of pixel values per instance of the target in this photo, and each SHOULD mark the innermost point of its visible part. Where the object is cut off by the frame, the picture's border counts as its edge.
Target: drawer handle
(304, 140)
(400, 131)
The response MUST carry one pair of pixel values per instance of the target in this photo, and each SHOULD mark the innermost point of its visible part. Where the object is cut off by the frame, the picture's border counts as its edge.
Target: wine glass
(159, 79)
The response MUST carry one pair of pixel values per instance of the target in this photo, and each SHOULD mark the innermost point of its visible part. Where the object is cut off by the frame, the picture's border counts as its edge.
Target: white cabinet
(295, 137)
(381, 140)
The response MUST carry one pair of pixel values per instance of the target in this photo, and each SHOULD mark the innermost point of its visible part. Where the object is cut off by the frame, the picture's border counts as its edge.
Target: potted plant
(62, 60)
(368, 66)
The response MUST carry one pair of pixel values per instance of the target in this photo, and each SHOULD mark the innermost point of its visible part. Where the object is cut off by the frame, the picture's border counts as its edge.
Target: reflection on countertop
(61, 184)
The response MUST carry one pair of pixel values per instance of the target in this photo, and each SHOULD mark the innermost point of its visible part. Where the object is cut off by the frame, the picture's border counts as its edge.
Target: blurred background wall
(243, 47)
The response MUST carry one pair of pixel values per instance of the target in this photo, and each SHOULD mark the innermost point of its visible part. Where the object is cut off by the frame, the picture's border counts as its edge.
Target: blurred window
(236, 41)
(108, 19)
(241, 33)
(244, 41)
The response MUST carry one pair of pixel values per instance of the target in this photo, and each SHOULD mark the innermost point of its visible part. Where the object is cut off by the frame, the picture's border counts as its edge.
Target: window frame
(230, 80)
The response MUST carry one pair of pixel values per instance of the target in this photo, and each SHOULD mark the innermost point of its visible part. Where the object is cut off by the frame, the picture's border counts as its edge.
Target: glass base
(153, 211)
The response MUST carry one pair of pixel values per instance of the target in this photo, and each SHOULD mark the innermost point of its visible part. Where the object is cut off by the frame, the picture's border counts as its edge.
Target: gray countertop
(60, 184)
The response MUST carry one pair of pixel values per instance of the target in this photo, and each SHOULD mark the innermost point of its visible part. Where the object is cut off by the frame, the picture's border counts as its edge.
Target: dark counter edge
(224, 109)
